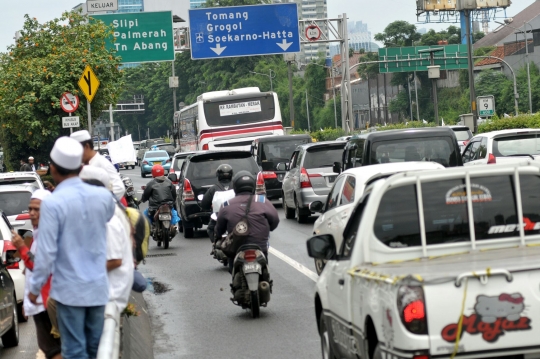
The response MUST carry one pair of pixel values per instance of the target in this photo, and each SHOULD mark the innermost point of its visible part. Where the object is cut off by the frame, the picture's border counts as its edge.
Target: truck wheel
(11, 338)
(188, 232)
(300, 218)
(326, 347)
(289, 212)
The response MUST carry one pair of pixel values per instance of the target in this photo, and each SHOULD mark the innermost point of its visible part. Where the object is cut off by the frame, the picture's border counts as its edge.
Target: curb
(137, 338)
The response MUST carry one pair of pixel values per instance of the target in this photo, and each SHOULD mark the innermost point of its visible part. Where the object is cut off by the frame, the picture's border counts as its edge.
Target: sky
(376, 13)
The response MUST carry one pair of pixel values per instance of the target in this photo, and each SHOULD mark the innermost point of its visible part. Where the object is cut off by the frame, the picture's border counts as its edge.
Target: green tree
(399, 33)
(48, 60)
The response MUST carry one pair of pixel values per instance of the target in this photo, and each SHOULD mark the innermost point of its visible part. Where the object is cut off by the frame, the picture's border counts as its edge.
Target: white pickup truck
(436, 264)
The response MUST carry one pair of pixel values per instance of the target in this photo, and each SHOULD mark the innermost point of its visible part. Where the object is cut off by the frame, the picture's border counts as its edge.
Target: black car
(197, 174)
(269, 151)
(437, 144)
(9, 322)
(177, 161)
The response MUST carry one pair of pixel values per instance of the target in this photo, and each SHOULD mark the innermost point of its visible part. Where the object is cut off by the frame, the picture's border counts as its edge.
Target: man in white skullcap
(119, 244)
(73, 245)
(93, 158)
(31, 163)
(47, 343)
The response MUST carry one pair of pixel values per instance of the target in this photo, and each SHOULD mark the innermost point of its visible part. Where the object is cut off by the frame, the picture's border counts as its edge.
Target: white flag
(424, 121)
(442, 121)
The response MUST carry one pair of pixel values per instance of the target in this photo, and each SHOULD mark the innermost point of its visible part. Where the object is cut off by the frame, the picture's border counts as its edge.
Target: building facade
(130, 6)
(194, 4)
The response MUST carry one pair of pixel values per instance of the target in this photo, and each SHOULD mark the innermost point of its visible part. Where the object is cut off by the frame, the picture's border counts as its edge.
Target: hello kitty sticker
(493, 317)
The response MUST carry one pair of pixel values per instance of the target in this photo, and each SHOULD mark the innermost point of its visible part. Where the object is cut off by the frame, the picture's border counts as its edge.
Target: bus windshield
(240, 111)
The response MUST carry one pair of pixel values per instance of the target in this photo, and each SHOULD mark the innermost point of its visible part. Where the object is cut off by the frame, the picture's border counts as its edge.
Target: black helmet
(244, 181)
(224, 172)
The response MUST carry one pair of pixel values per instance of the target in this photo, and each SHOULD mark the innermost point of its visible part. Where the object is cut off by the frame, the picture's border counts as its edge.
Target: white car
(21, 178)
(348, 189)
(463, 135)
(503, 146)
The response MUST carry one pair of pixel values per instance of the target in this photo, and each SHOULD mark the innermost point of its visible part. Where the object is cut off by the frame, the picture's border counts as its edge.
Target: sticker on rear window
(492, 317)
(458, 194)
(528, 225)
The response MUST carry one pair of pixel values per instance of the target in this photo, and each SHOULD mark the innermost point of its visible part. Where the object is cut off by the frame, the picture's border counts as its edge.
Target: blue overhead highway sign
(244, 31)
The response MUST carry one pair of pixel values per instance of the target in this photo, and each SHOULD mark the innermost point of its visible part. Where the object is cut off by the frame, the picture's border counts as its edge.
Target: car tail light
(421, 356)
(187, 194)
(305, 181)
(465, 142)
(250, 255)
(23, 217)
(491, 159)
(412, 309)
(168, 161)
(145, 162)
(269, 175)
(260, 188)
(205, 147)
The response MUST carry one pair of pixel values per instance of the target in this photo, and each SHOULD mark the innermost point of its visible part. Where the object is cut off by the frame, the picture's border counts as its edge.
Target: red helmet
(157, 171)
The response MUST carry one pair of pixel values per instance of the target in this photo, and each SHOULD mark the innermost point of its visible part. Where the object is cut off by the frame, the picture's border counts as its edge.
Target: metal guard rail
(109, 343)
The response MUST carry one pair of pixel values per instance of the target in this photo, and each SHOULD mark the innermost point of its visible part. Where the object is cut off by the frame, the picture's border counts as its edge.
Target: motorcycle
(131, 199)
(251, 286)
(162, 230)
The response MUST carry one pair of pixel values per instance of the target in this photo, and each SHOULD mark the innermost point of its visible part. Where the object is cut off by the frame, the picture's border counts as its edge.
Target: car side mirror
(337, 167)
(316, 207)
(11, 258)
(281, 166)
(322, 247)
(172, 177)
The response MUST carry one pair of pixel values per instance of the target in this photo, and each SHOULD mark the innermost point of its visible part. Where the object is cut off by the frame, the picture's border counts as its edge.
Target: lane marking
(299, 267)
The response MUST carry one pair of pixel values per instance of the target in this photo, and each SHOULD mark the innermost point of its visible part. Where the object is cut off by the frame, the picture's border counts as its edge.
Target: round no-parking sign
(313, 33)
(69, 102)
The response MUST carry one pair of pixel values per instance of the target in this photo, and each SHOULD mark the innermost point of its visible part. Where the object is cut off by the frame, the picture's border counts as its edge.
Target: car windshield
(323, 156)
(434, 149)
(156, 154)
(207, 168)
(21, 181)
(14, 203)
(273, 153)
(462, 134)
(520, 144)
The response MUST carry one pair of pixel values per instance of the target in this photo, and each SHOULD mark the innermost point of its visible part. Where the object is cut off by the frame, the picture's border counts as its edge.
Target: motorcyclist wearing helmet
(158, 191)
(263, 217)
(224, 174)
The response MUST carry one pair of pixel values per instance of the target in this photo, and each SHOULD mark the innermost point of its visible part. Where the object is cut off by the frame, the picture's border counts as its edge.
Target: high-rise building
(359, 36)
(193, 4)
(313, 9)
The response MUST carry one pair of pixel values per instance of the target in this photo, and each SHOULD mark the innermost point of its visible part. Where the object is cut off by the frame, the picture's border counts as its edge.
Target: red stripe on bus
(241, 127)
(239, 132)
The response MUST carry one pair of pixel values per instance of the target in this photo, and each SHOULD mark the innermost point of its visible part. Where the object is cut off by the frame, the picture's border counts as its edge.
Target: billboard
(458, 5)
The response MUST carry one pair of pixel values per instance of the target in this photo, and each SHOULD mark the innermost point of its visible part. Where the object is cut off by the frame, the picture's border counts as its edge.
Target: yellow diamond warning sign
(88, 83)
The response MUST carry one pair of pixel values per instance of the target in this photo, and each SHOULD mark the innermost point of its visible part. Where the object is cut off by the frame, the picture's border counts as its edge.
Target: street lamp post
(269, 76)
(526, 56)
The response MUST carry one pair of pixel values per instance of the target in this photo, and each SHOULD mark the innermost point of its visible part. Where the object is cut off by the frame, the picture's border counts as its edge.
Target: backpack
(141, 233)
(240, 233)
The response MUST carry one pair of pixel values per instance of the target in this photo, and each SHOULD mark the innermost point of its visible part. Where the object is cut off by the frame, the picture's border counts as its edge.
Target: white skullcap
(81, 136)
(40, 194)
(30, 158)
(96, 173)
(67, 153)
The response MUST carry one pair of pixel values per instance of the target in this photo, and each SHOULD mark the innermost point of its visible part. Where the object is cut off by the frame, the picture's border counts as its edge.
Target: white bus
(227, 120)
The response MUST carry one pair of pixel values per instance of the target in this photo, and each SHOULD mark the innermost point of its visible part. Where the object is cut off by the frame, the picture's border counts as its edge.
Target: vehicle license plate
(252, 267)
(165, 217)
(157, 163)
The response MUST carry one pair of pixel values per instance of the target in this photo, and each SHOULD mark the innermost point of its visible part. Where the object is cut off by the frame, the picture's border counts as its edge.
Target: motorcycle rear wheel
(165, 237)
(254, 299)
(159, 243)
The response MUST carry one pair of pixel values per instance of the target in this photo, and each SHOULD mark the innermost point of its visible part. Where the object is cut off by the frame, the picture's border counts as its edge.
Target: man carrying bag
(248, 218)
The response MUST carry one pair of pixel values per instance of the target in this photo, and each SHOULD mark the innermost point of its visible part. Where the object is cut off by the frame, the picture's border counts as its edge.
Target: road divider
(299, 267)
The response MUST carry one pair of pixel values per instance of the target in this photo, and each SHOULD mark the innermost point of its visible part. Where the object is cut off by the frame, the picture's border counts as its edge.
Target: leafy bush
(328, 134)
(521, 121)
(401, 125)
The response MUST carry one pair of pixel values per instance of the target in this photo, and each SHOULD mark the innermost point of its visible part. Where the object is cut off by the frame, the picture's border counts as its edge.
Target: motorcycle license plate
(165, 217)
(252, 268)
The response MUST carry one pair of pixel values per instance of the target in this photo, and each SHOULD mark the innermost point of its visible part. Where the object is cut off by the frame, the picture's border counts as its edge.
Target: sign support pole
(111, 122)
(89, 110)
(434, 89)
(291, 98)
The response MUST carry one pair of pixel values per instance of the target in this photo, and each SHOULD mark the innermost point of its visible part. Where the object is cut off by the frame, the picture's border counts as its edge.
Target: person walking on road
(119, 244)
(25, 167)
(31, 163)
(73, 245)
(47, 343)
(93, 158)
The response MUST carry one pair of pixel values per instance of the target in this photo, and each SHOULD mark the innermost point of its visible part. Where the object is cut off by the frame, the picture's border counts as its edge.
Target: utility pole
(111, 122)
(416, 93)
(410, 96)
(291, 97)
(467, 15)
(334, 99)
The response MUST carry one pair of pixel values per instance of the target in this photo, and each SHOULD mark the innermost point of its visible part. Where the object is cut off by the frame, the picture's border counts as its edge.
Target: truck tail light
(412, 309)
(260, 188)
(492, 159)
(187, 193)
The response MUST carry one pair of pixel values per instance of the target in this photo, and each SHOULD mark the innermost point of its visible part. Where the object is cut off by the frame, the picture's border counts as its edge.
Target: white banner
(122, 150)
(239, 108)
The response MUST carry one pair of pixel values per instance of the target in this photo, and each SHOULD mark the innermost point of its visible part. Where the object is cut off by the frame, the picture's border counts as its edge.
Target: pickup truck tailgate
(500, 311)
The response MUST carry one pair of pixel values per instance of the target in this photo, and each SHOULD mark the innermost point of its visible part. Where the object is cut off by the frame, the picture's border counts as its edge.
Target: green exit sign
(141, 36)
(409, 59)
